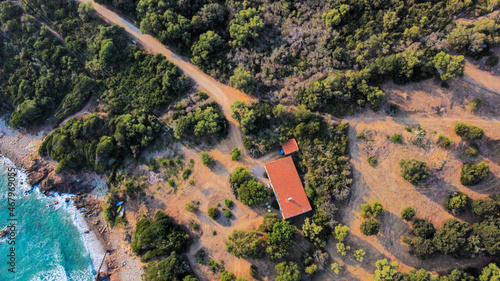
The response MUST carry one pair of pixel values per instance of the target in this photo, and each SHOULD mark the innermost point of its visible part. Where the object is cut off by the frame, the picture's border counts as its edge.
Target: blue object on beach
(282, 152)
(119, 203)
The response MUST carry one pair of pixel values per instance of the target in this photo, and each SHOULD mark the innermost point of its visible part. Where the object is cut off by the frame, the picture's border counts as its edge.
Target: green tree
(213, 213)
(422, 248)
(468, 132)
(243, 80)
(408, 213)
(385, 270)
(236, 154)
(245, 27)
(423, 228)
(253, 193)
(370, 227)
(288, 271)
(206, 52)
(451, 239)
(270, 219)
(243, 244)
(413, 170)
(315, 232)
(489, 233)
(449, 66)
(474, 173)
(206, 159)
(485, 207)
(490, 273)
(359, 255)
(341, 232)
(457, 275)
(457, 201)
(373, 209)
(239, 176)
(281, 240)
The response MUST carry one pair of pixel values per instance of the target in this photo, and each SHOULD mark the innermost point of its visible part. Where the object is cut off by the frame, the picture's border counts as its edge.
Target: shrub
(471, 151)
(336, 268)
(372, 160)
(360, 136)
(243, 244)
(200, 256)
(236, 154)
(341, 232)
(444, 141)
(190, 207)
(423, 248)
(264, 174)
(474, 173)
(253, 193)
(452, 238)
(489, 234)
(288, 271)
(408, 213)
(485, 207)
(228, 214)
(414, 171)
(423, 228)
(194, 225)
(457, 201)
(342, 248)
(311, 269)
(385, 270)
(171, 182)
(359, 255)
(213, 213)
(475, 104)
(468, 132)
(191, 182)
(228, 203)
(269, 220)
(370, 227)
(373, 209)
(253, 271)
(186, 173)
(206, 159)
(396, 138)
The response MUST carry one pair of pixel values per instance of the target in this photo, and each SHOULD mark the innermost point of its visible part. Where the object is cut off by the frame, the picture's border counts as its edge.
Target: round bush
(370, 227)
(213, 213)
(474, 173)
(414, 170)
(408, 213)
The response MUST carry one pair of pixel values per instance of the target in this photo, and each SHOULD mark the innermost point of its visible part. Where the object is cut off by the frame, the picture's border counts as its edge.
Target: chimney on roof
(289, 198)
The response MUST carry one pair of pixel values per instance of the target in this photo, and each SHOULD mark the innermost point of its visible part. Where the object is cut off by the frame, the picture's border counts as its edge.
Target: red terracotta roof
(288, 187)
(290, 146)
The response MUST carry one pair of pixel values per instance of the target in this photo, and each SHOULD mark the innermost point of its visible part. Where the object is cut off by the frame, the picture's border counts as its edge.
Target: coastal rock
(63, 183)
(37, 171)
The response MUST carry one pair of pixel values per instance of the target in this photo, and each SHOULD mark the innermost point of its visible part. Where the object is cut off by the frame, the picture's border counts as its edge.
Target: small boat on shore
(119, 203)
(119, 209)
(120, 214)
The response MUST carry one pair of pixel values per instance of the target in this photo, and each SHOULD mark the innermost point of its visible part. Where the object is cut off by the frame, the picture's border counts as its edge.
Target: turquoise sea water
(50, 244)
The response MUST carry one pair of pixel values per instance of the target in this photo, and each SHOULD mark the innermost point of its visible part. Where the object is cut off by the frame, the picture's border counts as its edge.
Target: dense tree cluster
(39, 76)
(132, 86)
(99, 142)
(387, 271)
(263, 45)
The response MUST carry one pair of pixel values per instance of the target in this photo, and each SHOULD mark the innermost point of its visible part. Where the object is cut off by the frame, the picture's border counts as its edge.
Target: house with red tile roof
(287, 187)
(289, 147)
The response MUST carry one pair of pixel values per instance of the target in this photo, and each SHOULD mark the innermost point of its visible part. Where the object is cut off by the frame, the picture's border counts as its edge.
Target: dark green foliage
(242, 80)
(372, 161)
(468, 132)
(449, 66)
(197, 116)
(174, 267)
(206, 159)
(243, 244)
(213, 213)
(254, 271)
(396, 138)
(451, 239)
(228, 203)
(190, 207)
(316, 229)
(489, 233)
(99, 142)
(228, 214)
(370, 227)
(250, 191)
(44, 79)
(408, 213)
(474, 39)
(422, 248)
(373, 209)
(186, 173)
(474, 173)
(288, 271)
(423, 228)
(158, 237)
(269, 220)
(207, 53)
(194, 225)
(457, 201)
(485, 207)
(236, 154)
(281, 240)
(458, 275)
(413, 170)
